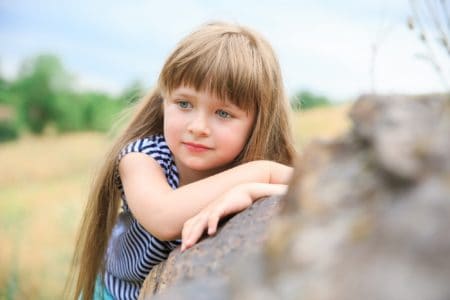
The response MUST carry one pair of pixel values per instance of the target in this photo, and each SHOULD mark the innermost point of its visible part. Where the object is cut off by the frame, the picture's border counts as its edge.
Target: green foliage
(4, 87)
(8, 131)
(307, 100)
(101, 111)
(70, 113)
(8, 126)
(40, 81)
(87, 111)
(5, 95)
(42, 96)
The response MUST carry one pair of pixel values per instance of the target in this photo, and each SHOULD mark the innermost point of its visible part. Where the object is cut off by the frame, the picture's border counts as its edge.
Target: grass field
(43, 186)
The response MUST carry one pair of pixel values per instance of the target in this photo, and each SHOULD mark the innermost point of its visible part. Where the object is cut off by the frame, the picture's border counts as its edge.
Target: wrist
(255, 190)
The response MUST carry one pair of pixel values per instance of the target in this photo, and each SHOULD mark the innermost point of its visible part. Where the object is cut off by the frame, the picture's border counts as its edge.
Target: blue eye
(184, 104)
(223, 114)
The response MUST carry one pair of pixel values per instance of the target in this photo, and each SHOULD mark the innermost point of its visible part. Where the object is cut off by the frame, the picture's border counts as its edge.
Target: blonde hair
(230, 61)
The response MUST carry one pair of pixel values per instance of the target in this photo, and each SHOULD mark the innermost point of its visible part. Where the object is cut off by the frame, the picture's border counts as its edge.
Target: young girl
(210, 139)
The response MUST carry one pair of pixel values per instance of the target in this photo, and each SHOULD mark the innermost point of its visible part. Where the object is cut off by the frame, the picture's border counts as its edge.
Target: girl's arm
(163, 211)
(235, 200)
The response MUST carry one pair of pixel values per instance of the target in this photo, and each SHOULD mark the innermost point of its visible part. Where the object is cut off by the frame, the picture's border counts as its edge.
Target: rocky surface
(205, 266)
(367, 216)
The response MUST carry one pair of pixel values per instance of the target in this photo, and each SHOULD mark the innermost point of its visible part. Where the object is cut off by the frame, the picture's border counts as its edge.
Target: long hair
(231, 62)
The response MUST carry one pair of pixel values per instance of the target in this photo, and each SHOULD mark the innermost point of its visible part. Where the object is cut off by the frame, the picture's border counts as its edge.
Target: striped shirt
(132, 251)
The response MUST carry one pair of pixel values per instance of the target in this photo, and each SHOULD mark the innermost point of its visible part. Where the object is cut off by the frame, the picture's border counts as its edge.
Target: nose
(198, 125)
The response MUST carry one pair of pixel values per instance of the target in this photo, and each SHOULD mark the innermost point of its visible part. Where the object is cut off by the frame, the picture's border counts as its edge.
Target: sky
(339, 49)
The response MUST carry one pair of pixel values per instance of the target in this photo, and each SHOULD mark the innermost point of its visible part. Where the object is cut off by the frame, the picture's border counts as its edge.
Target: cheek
(172, 117)
(235, 136)
(172, 126)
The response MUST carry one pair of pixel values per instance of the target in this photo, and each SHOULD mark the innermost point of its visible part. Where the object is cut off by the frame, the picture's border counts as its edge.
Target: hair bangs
(227, 67)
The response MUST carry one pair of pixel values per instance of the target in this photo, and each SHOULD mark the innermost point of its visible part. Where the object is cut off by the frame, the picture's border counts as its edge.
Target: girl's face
(204, 133)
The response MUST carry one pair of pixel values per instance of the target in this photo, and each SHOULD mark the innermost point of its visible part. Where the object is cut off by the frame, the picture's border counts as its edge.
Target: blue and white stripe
(132, 251)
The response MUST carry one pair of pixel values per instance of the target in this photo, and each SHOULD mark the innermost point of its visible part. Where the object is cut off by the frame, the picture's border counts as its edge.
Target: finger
(194, 232)
(194, 236)
(279, 189)
(212, 224)
(186, 232)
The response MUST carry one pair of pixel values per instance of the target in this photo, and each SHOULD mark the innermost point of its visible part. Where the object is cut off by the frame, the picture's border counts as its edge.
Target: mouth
(194, 147)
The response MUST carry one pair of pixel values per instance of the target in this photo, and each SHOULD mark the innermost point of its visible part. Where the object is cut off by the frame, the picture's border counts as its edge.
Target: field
(43, 187)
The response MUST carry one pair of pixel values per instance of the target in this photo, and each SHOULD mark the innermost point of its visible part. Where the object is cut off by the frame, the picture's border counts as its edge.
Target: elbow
(163, 233)
(159, 225)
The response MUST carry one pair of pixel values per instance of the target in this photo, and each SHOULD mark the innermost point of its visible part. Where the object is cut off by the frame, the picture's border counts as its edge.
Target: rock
(373, 219)
(367, 216)
(409, 135)
(205, 266)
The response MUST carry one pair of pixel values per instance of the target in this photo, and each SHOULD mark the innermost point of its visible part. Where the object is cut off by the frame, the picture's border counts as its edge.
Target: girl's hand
(235, 200)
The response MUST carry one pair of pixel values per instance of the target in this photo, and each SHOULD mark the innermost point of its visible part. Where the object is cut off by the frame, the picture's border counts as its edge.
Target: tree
(39, 82)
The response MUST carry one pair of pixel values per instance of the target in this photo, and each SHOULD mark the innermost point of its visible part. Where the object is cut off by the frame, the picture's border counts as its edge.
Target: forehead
(192, 93)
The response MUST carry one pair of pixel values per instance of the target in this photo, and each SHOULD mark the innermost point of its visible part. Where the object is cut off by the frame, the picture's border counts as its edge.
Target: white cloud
(323, 46)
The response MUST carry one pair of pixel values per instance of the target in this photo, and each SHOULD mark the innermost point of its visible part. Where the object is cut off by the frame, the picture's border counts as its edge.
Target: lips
(194, 147)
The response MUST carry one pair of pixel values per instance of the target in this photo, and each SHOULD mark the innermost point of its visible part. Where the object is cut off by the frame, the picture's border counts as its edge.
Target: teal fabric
(100, 291)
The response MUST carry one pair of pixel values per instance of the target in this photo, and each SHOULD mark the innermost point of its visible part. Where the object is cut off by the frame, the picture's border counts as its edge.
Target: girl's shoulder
(151, 145)
(156, 147)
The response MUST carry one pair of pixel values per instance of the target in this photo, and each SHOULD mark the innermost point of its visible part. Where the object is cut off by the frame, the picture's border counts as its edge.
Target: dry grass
(43, 186)
(323, 123)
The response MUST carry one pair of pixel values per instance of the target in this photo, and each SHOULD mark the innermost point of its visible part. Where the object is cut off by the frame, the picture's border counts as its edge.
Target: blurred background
(68, 69)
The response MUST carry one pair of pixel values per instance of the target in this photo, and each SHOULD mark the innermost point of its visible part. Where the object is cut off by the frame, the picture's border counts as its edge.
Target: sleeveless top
(132, 251)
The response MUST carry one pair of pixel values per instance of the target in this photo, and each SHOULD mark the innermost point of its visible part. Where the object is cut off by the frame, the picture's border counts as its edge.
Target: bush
(100, 111)
(69, 113)
(8, 131)
(86, 111)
